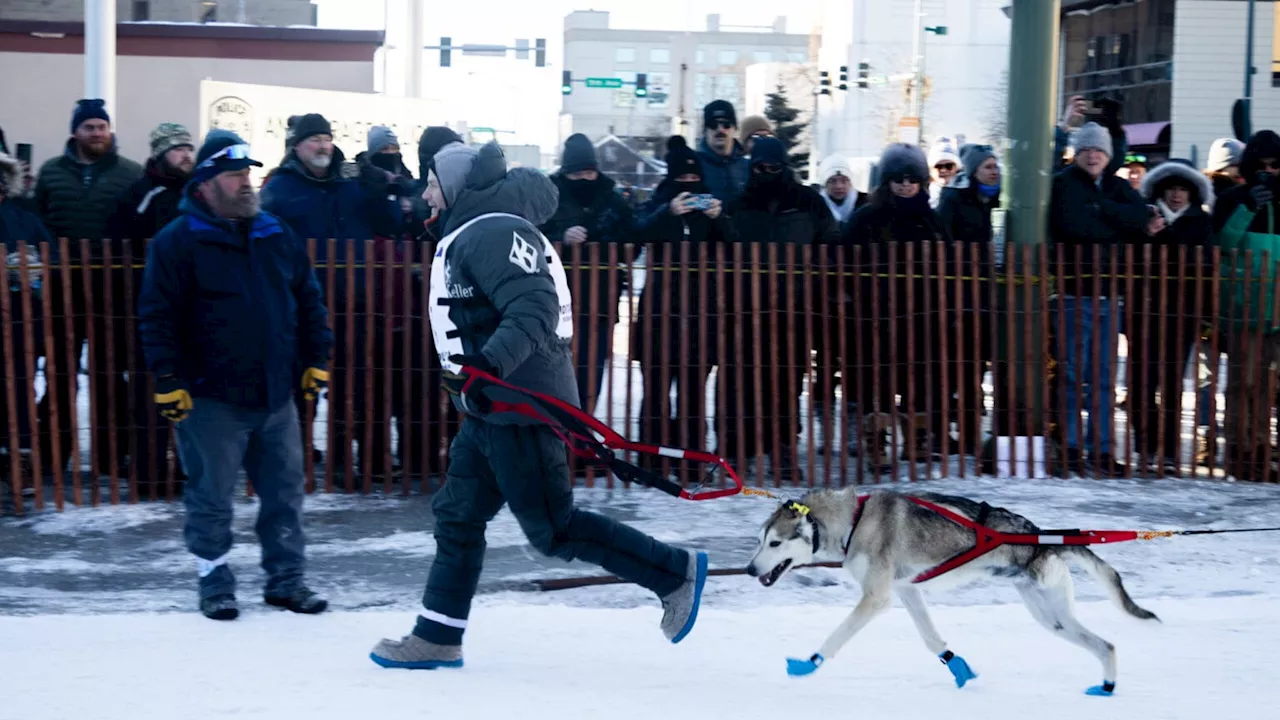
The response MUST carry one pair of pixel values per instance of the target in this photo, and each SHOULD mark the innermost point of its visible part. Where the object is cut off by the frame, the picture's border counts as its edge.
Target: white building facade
(685, 71)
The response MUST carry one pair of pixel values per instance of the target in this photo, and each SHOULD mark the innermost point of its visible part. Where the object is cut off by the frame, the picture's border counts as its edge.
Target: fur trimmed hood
(1182, 170)
(10, 173)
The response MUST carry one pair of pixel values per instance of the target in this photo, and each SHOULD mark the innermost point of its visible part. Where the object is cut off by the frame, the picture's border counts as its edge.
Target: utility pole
(1248, 76)
(100, 52)
(917, 64)
(413, 79)
(1033, 57)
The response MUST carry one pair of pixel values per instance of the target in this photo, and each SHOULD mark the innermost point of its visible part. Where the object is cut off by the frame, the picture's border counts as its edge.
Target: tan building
(159, 69)
(253, 12)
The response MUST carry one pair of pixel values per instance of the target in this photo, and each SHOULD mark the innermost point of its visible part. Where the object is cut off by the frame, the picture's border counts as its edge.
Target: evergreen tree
(787, 130)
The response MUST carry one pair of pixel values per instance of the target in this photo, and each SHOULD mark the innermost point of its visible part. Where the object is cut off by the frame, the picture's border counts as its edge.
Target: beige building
(253, 12)
(159, 69)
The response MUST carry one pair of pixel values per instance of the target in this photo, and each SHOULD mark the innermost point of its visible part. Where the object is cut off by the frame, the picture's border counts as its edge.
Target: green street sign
(604, 82)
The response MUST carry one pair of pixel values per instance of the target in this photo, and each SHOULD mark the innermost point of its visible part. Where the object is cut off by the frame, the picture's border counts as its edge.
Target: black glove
(1111, 115)
(454, 382)
(1261, 195)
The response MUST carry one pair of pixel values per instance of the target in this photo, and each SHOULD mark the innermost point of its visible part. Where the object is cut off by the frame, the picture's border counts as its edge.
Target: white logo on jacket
(523, 255)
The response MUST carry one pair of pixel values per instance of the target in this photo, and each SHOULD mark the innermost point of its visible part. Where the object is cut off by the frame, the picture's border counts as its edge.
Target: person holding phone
(1244, 220)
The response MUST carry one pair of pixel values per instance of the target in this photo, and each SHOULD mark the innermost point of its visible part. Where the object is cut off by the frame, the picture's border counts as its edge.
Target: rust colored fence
(803, 365)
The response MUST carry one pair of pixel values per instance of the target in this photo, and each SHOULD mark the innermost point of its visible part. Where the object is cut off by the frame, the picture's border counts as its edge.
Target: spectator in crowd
(897, 215)
(589, 211)
(944, 162)
(76, 193)
(1166, 319)
(754, 127)
(141, 212)
(775, 209)
(835, 180)
(1223, 164)
(21, 232)
(1245, 220)
(1091, 214)
(221, 281)
(1134, 169)
(965, 211)
(321, 196)
(671, 318)
(724, 161)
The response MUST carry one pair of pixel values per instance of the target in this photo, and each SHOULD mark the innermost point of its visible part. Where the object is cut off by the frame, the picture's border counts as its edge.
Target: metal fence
(803, 365)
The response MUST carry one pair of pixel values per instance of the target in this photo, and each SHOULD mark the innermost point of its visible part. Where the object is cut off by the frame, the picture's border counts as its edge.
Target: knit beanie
(1224, 153)
(832, 166)
(430, 142)
(718, 110)
(308, 125)
(579, 154)
(972, 157)
(943, 151)
(210, 164)
(167, 136)
(1092, 136)
(451, 165)
(381, 136)
(903, 159)
(681, 159)
(768, 150)
(89, 109)
(754, 124)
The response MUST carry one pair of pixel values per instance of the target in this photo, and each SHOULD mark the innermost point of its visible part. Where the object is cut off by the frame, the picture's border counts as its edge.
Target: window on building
(762, 56)
(141, 10)
(727, 87)
(1124, 52)
(797, 57)
(727, 57)
(208, 11)
(699, 57)
(660, 56)
(701, 90)
(624, 55)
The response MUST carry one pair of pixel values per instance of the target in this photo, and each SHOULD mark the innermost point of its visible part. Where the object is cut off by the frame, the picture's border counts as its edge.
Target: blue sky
(514, 95)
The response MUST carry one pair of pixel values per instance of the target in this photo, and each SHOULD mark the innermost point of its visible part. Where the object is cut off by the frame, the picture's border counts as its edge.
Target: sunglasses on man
(721, 124)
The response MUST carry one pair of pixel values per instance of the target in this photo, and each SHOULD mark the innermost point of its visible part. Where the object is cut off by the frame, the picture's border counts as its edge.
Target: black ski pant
(527, 468)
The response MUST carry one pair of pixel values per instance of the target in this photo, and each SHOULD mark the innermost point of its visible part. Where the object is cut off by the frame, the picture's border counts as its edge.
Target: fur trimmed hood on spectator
(10, 173)
(1182, 170)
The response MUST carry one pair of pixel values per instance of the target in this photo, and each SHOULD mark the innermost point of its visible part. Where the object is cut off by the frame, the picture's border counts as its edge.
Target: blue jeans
(215, 441)
(1077, 353)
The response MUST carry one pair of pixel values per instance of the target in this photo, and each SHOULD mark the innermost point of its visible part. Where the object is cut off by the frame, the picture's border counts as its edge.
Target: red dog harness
(987, 539)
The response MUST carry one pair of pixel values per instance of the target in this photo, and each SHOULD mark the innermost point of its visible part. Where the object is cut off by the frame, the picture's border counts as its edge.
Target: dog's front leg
(876, 599)
(913, 601)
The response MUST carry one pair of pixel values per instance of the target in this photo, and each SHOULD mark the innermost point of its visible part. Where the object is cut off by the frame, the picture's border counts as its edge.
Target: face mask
(582, 191)
(387, 161)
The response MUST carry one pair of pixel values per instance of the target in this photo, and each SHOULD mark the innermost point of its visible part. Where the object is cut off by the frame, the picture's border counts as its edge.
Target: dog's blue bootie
(1106, 689)
(958, 667)
(797, 668)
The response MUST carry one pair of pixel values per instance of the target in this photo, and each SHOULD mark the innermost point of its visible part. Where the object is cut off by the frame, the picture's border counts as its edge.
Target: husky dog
(893, 539)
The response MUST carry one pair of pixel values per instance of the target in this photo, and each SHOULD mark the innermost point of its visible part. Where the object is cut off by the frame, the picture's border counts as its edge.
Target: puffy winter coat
(75, 199)
(1248, 288)
(233, 310)
(1084, 214)
(725, 177)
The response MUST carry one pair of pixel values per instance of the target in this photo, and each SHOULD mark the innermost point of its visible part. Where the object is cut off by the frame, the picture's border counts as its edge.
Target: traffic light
(540, 52)
(844, 77)
(824, 83)
(642, 85)
(566, 83)
(446, 49)
(864, 75)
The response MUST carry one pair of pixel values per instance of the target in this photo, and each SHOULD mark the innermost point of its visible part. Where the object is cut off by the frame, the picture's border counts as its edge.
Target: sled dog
(886, 539)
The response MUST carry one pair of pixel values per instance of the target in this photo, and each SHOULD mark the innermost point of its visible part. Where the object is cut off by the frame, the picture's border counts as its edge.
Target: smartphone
(24, 153)
(702, 201)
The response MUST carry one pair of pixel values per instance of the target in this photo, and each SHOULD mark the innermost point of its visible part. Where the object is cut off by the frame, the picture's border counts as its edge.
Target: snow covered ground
(97, 621)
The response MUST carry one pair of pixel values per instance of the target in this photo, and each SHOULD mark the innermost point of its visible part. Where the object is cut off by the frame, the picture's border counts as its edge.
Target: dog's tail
(1086, 559)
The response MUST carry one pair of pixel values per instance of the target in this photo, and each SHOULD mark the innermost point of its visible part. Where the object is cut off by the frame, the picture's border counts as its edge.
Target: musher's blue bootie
(958, 667)
(1106, 689)
(797, 668)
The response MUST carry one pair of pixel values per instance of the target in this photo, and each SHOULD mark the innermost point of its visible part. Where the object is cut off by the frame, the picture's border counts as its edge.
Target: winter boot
(413, 653)
(300, 600)
(220, 607)
(680, 608)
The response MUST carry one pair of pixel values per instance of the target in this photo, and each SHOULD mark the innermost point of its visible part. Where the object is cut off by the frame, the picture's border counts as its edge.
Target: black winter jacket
(145, 208)
(1084, 215)
(76, 200)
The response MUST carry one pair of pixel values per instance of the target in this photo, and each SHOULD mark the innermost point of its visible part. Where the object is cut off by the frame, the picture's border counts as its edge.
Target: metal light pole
(100, 52)
(1248, 76)
(917, 64)
(413, 79)
(1033, 57)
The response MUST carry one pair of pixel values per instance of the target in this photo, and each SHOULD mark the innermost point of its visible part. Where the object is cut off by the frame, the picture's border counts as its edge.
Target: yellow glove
(172, 399)
(313, 381)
